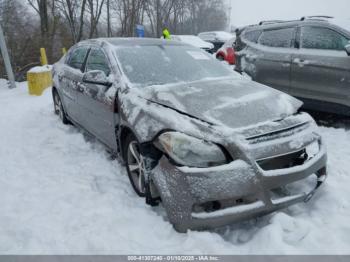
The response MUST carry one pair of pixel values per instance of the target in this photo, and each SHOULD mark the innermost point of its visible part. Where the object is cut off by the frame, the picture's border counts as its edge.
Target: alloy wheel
(58, 107)
(136, 167)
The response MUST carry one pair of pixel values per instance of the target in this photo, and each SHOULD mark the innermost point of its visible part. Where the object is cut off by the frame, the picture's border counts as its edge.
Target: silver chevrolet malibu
(213, 147)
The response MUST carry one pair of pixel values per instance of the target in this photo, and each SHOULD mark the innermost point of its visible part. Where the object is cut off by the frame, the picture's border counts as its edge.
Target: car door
(321, 67)
(70, 77)
(272, 57)
(97, 102)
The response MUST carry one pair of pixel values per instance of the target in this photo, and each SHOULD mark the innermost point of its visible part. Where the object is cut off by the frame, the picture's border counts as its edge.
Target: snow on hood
(231, 102)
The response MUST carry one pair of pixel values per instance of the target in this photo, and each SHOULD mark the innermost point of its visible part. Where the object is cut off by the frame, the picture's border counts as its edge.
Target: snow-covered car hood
(232, 102)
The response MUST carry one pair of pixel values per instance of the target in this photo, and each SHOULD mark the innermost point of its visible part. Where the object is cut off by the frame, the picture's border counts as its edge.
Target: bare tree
(22, 35)
(95, 9)
(49, 20)
(73, 11)
(129, 14)
(61, 23)
(109, 31)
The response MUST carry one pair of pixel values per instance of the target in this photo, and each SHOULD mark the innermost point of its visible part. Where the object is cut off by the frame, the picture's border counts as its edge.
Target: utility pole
(5, 56)
(230, 14)
(109, 32)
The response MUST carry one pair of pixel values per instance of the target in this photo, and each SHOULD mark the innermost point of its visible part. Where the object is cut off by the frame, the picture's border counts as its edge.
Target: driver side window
(77, 58)
(97, 61)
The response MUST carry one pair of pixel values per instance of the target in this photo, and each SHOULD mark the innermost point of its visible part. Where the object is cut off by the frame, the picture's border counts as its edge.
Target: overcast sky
(252, 11)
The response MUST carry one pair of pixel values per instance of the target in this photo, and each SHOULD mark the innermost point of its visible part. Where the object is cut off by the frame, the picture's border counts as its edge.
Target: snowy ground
(62, 194)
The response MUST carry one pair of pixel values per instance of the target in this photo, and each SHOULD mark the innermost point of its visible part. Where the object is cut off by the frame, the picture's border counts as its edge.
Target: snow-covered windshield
(165, 64)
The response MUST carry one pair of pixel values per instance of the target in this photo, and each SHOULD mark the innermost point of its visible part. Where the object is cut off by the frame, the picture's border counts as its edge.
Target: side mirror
(96, 77)
(347, 48)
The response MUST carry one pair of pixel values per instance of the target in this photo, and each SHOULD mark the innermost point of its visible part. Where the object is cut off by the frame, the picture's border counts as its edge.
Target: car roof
(325, 21)
(132, 41)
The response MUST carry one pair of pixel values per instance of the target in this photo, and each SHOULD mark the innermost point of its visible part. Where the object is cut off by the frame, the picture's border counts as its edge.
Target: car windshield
(165, 64)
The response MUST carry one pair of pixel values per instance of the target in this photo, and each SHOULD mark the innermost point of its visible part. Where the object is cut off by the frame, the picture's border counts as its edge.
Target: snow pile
(60, 193)
(40, 69)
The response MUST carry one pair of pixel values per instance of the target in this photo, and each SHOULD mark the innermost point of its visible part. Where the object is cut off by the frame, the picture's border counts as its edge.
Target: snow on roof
(219, 35)
(192, 40)
(224, 35)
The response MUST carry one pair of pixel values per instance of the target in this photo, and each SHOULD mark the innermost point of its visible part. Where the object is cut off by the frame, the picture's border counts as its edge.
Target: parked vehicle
(227, 52)
(214, 147)
(217, 38)
(307, 58)
(194, 41)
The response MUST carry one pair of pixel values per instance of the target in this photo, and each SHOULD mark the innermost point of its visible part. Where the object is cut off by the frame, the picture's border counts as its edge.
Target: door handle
(60, 77)
(80, 87)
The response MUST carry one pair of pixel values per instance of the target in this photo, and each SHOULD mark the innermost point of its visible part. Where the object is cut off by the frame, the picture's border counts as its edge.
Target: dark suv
(308, 58)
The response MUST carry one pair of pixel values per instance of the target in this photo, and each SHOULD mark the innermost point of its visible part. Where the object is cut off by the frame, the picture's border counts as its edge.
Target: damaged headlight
(190, 151)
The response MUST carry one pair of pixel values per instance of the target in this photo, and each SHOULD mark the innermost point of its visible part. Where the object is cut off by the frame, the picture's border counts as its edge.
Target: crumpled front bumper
(183, 188)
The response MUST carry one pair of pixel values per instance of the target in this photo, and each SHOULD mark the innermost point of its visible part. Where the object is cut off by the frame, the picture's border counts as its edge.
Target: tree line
(54, 24)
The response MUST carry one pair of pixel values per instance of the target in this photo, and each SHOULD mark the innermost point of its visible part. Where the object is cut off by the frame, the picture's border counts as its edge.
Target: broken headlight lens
(190, 151)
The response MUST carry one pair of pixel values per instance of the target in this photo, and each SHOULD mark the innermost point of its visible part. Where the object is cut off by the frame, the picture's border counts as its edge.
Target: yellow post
(64, 50)
(39, 79)
(43, 56)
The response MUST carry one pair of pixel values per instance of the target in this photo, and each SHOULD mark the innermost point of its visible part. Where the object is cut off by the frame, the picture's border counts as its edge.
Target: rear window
(278, 38)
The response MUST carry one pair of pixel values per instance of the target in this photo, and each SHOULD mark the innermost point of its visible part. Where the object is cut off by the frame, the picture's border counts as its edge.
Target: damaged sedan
(214, 148)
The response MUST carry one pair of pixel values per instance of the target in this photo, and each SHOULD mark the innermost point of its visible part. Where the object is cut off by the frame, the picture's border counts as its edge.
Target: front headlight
(190, 151)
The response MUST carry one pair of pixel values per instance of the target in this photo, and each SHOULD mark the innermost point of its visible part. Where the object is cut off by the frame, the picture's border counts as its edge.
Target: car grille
(284, 161)
(280, 133)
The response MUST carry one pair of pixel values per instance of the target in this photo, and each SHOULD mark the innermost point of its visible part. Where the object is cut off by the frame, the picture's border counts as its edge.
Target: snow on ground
(61, 193)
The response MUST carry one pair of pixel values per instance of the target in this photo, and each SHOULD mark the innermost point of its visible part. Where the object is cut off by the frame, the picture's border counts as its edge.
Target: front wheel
(58, 108)
(135, 165)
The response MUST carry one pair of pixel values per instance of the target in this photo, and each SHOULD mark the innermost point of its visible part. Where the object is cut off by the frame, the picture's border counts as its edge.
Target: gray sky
(252, 11)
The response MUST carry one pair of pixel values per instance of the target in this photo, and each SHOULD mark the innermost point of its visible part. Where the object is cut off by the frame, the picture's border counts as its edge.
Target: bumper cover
(182, 188)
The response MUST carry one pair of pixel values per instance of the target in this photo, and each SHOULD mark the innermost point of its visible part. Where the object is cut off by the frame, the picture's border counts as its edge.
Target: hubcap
(136, 166)
(58, 106)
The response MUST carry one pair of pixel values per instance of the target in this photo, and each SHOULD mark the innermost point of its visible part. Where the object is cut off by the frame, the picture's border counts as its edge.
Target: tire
(58, 108)
(135, 165)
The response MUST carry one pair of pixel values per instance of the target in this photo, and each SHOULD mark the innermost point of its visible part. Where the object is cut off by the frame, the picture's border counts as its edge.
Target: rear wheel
(58, 108)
